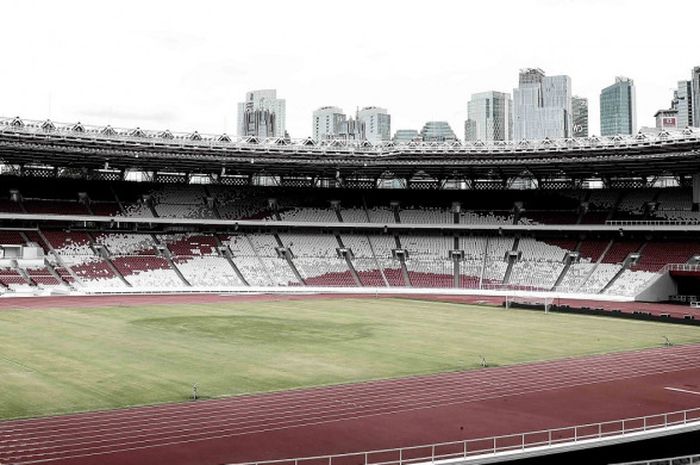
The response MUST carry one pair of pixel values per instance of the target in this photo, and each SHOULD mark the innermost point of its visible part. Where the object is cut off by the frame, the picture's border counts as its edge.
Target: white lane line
(682, 390)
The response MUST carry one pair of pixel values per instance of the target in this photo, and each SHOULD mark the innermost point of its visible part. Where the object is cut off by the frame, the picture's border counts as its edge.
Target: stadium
(207, 299)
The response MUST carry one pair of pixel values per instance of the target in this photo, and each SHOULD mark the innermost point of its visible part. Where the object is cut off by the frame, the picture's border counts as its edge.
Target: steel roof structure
(44, 143)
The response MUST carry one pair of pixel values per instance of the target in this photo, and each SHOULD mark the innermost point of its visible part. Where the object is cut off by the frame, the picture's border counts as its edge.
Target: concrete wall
(659, 290)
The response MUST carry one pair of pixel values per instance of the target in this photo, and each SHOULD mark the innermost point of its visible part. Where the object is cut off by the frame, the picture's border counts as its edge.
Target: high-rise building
(260, 123)
(377, 124)
(404, 136)
(541, 106)
(489, 117)
(695, 91)
(326, 122)
(684, 97)
(352, 129)
(437, 131)
(579, 116)
(618, 108)
(262, 114)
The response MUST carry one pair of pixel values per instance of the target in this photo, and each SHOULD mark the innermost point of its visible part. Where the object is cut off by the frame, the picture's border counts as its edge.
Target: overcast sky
(184, 65)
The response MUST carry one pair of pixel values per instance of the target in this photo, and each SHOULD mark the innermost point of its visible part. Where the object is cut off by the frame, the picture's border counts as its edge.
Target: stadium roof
(88, 147)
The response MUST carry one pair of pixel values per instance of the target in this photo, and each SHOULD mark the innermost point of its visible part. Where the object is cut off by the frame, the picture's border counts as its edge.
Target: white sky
(184, 65)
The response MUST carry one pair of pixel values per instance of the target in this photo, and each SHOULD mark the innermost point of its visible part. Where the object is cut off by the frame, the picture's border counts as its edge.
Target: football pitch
(64, 360)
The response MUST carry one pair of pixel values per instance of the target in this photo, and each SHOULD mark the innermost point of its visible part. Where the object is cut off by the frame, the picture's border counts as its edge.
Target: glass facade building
(489, 116)
(695, 91)
(618, 108)
(684, 97)
(541, 106)
(437, 131)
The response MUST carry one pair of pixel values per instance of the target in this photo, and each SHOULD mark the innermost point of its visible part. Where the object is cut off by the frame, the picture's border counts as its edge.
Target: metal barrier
(680, 267)
(497, 444)
(683, 460)
(688, 222)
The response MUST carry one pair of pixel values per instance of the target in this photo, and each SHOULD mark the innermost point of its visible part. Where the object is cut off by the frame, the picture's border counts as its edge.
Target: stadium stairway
(289, 258)
(348, 259)
(165, 253)
(23, 273)
(374, 256)
(456, 260)
(595, 266)
(511, 261)
(59, 260)
(225, 252)
(402, 257)
(56, 274)
(626, 265)
(564, 271)
(260, 260)
(105, 254)
(483, 263)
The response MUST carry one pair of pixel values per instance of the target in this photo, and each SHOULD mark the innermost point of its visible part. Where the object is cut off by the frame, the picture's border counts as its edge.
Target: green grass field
(64, 360)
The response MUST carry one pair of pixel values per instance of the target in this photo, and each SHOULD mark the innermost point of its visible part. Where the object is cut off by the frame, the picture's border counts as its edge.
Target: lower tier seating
(175, 260)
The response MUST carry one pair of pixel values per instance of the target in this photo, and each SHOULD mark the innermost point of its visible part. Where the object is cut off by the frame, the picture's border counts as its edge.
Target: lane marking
(682, 390)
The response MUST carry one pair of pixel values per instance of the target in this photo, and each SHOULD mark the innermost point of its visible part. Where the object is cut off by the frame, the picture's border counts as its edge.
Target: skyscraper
(684, 96)
(352, 129)
(262, 114)
(437, 131)
(618, 108)
(541, 106)
(489, 117)
(377, 124)
(326, 122)
(579, 116)
(695, 83)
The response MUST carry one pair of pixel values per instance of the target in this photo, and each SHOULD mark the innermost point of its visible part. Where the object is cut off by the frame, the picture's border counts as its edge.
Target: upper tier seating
(657, 254)
(56, 207)
(354, 215)
(309, 215)
(426, 216)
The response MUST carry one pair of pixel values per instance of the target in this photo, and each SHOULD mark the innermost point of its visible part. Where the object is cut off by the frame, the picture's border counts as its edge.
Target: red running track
(365, 416)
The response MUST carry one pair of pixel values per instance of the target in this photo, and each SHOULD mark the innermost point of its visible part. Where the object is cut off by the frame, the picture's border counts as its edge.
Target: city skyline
(143, 70)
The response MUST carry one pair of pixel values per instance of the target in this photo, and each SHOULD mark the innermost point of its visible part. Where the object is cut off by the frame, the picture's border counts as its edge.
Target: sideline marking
(682, 390)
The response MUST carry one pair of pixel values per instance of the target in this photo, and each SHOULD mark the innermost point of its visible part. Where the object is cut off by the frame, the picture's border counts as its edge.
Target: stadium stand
(106, 255)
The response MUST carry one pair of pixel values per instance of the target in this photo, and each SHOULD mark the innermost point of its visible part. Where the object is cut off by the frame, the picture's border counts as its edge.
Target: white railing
(682, 460)
(497, 444)
(680, 267)
(362, 147)
(688, 222)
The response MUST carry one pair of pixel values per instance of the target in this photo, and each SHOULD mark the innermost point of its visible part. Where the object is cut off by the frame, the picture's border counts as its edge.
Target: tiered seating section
(145, 200)
(140, 260)
(113, 259)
